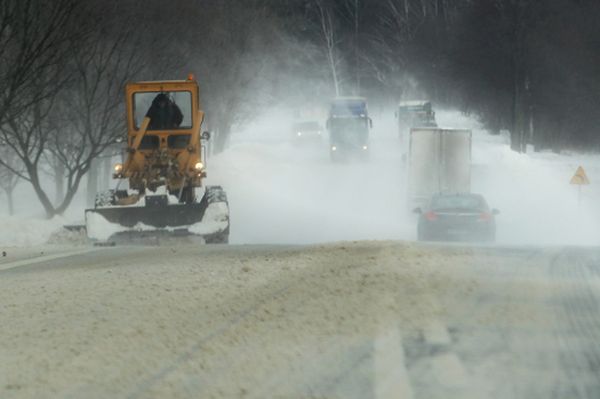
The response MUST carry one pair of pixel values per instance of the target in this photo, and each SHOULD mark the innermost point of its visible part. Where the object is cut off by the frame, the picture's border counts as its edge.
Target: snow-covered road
(352, 320)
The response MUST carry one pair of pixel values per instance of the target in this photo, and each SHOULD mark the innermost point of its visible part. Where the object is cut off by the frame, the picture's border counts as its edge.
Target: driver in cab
(164, 113)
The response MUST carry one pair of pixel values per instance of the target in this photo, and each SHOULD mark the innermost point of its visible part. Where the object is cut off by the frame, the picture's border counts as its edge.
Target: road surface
(348, 320)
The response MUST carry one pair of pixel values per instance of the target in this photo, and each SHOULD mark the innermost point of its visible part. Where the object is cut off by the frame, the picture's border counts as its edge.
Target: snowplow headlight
(118, 168)
(299, 134)
(365, 147)
(333, 148)
(199, 166)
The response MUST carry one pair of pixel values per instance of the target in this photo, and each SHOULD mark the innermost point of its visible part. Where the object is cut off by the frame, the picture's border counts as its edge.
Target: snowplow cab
(164, 167)
(164, 144)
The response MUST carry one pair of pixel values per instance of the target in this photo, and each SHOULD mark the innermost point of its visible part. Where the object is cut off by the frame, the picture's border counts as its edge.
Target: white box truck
(439, 161)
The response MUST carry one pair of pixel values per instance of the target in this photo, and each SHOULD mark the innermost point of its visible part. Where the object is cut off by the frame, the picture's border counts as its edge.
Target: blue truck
(348, 125)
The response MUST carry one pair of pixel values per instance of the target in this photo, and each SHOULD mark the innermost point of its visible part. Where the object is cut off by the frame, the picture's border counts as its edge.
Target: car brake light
(431, 216)
(485, 217)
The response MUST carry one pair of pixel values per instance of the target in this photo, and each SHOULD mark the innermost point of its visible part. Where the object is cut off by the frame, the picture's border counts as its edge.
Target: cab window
(166, 110)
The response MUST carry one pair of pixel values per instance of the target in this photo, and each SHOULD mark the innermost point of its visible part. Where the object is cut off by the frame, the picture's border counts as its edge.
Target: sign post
(580, 179)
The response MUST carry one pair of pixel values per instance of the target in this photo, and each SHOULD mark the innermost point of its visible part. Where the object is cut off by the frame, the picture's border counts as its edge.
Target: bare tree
(57, 171)
(352, 11)
(515, 13)
(9, 179)
(25, 137)
(77, 123)
(33, 41)
(91, 108)
(245, 54)
(331, 43)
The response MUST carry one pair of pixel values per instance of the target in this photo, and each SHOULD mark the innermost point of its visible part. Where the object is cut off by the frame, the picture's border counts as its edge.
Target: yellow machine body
(166, 156)
(164, 148)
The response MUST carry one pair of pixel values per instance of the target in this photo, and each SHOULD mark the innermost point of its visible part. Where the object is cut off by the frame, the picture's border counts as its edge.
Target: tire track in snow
(148, 383)
(580, 354)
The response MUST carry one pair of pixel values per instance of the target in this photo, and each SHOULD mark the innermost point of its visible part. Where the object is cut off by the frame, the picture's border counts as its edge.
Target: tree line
(524, 66)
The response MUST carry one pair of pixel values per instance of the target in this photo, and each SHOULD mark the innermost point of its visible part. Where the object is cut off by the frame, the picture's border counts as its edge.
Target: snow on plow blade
(134, 223)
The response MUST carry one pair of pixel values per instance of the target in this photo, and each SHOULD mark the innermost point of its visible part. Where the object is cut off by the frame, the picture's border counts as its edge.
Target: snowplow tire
(221, 238)
(216, 194)
(109, 197)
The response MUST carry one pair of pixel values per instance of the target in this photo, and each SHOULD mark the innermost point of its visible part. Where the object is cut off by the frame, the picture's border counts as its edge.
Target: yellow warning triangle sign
(580, 177)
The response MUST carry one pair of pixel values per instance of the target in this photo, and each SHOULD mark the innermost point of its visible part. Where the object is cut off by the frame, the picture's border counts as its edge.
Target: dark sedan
(457, 217)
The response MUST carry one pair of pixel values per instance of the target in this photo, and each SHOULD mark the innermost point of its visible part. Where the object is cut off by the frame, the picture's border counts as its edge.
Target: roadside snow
(21, 231)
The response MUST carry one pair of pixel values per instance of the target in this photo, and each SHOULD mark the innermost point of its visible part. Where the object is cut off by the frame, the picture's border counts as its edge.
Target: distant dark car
(457, 217)
(309, 130)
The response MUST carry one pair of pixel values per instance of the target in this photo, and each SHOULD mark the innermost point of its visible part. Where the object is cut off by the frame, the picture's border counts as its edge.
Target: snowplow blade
(133, 224)
(152, 216)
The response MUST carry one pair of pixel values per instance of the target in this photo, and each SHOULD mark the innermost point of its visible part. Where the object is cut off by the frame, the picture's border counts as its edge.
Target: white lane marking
(391, 376)
(449, 371)
(41, 259)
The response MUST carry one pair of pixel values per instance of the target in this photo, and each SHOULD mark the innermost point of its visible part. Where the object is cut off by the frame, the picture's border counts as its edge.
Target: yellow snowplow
(164, 168)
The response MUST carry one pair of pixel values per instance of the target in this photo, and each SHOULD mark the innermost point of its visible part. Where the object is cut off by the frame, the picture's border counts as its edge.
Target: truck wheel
(216, 194)
(221, 238)
(109, 197)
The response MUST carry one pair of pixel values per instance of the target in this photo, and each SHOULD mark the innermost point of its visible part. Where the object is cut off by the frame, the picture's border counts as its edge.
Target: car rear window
(459, 202)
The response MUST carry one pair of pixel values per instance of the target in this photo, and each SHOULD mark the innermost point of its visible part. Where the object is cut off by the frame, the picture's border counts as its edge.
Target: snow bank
(21, 232)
